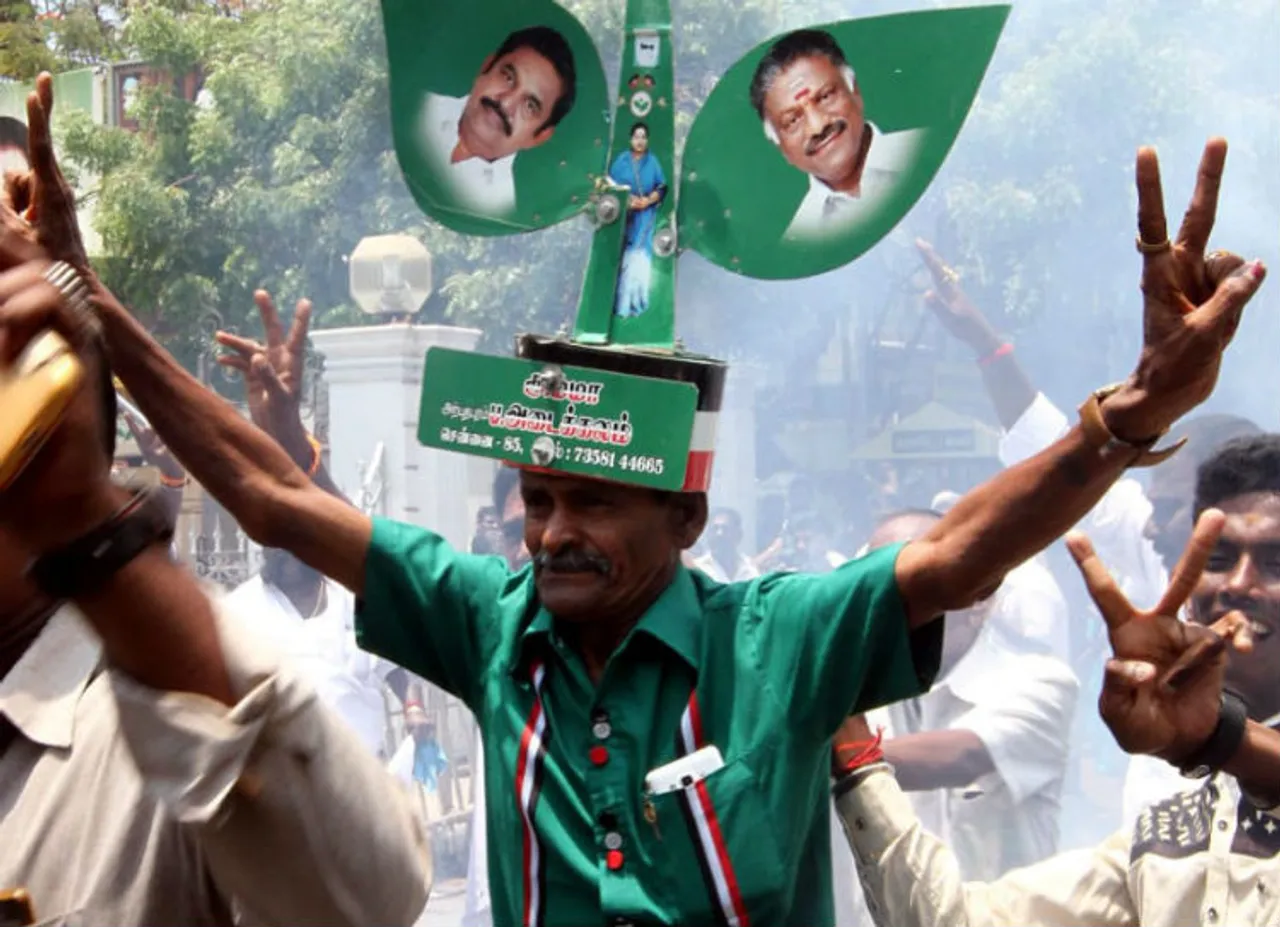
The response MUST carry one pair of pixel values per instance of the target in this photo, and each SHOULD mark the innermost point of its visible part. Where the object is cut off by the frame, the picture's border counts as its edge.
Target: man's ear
(543, 135)
(688, 517)
(488, 63)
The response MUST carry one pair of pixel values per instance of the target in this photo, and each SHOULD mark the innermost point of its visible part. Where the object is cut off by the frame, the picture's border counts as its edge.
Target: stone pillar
(733, 481)
(374, 376)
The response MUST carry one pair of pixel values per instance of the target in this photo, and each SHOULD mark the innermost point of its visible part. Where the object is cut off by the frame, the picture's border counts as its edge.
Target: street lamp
(390, 275)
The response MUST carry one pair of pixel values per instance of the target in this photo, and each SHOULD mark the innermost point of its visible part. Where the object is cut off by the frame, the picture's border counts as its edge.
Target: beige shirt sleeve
(298, 824)
(911, 879)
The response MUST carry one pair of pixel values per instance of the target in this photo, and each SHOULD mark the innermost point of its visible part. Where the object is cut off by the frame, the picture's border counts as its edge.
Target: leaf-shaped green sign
(499, 111)
(815, 144)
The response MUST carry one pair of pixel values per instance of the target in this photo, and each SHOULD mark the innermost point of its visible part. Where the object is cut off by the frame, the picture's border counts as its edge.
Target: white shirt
(121, 804)
(1202, 857)
(1030, 606)
(1116, 526)
(744, 570)
(486, 188)
(323, 648)
(825, 212)
(1019, 705)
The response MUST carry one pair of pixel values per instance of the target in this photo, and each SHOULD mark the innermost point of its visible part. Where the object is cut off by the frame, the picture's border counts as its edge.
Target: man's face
(289, 574)
(513, 546)
(818, 119)
(640, 141)
(1243, 574)
(510, 102)
(599, 549)
(1171, 493)
(723, 535)
(959, 632)
(13, 158)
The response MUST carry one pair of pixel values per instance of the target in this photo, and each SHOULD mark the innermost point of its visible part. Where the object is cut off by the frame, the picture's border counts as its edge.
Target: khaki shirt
(121, 805)
(1205, 856)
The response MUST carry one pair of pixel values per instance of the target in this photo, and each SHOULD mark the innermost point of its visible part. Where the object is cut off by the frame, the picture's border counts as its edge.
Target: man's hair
(551, 45)
(505, 480)
(639, 125)
(1239, 467)
(803, 43)
(13, 133)
(1207, 433)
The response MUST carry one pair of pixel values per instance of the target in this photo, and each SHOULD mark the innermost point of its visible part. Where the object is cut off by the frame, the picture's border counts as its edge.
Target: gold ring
(950, 275)
(1146, 247)
(1217, 255)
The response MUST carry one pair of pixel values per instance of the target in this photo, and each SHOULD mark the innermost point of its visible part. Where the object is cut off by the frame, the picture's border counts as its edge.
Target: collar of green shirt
(673, 619)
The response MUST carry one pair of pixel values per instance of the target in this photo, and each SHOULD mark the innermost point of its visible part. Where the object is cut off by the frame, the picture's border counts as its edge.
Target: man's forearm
(937, 759)
(1002, 523)
(158, 627)
(228, 456)
(1009, 387)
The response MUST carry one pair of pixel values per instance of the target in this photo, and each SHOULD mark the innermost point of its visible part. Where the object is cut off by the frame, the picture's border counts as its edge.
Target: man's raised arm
(242, 467)
(249, 474)
(1189, 317)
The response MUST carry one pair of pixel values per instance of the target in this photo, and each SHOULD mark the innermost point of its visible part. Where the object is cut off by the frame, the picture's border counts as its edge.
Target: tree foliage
(287, 163)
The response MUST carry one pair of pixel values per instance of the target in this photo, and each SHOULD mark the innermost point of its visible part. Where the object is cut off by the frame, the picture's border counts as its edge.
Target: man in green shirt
(606, 659)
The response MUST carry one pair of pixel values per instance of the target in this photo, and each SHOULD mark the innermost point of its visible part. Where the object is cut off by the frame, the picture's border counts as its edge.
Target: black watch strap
(1223, 743)
(86, 564)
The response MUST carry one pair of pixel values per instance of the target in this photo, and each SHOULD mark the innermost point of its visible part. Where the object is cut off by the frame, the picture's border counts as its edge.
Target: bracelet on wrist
(1004, 350)
(865, 752)
(174, 482)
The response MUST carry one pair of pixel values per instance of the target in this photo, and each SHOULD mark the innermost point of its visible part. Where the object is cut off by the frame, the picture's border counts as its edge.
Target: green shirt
(765, 670)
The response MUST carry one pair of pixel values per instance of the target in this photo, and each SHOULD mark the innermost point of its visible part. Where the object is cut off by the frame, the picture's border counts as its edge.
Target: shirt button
(613, 841)
(622, 922)
(601, 730)
(598, 755)
(613, 859)
(1222, 825)
(1211, 915)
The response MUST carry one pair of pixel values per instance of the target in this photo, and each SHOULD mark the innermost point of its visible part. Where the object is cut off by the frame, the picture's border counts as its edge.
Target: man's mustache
(571, 561)
(835, 127)
(1265, 612)
(494, 105)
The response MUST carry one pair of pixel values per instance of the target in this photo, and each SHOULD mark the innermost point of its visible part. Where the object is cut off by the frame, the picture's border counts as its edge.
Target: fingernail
(1256, 270)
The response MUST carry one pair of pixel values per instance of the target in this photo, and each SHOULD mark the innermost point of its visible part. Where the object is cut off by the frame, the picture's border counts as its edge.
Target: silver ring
(70, 286)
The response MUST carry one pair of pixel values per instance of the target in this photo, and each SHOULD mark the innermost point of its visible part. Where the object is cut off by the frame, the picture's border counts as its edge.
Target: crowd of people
(667, 735)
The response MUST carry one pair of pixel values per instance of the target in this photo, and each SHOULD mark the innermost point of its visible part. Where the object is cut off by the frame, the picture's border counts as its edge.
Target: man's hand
(1162, 689)
(954, 309)
(42, 196)
(153, 450)
(273, 374)
(66, 490)
(1192, 304)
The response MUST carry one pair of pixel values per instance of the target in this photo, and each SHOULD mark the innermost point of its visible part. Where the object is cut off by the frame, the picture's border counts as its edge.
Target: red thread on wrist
(173, 482)
(1003, 351)
(868, 752)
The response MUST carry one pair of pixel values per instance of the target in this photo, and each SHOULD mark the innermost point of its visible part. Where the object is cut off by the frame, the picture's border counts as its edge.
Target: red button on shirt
(599, 755)
(613, 859)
